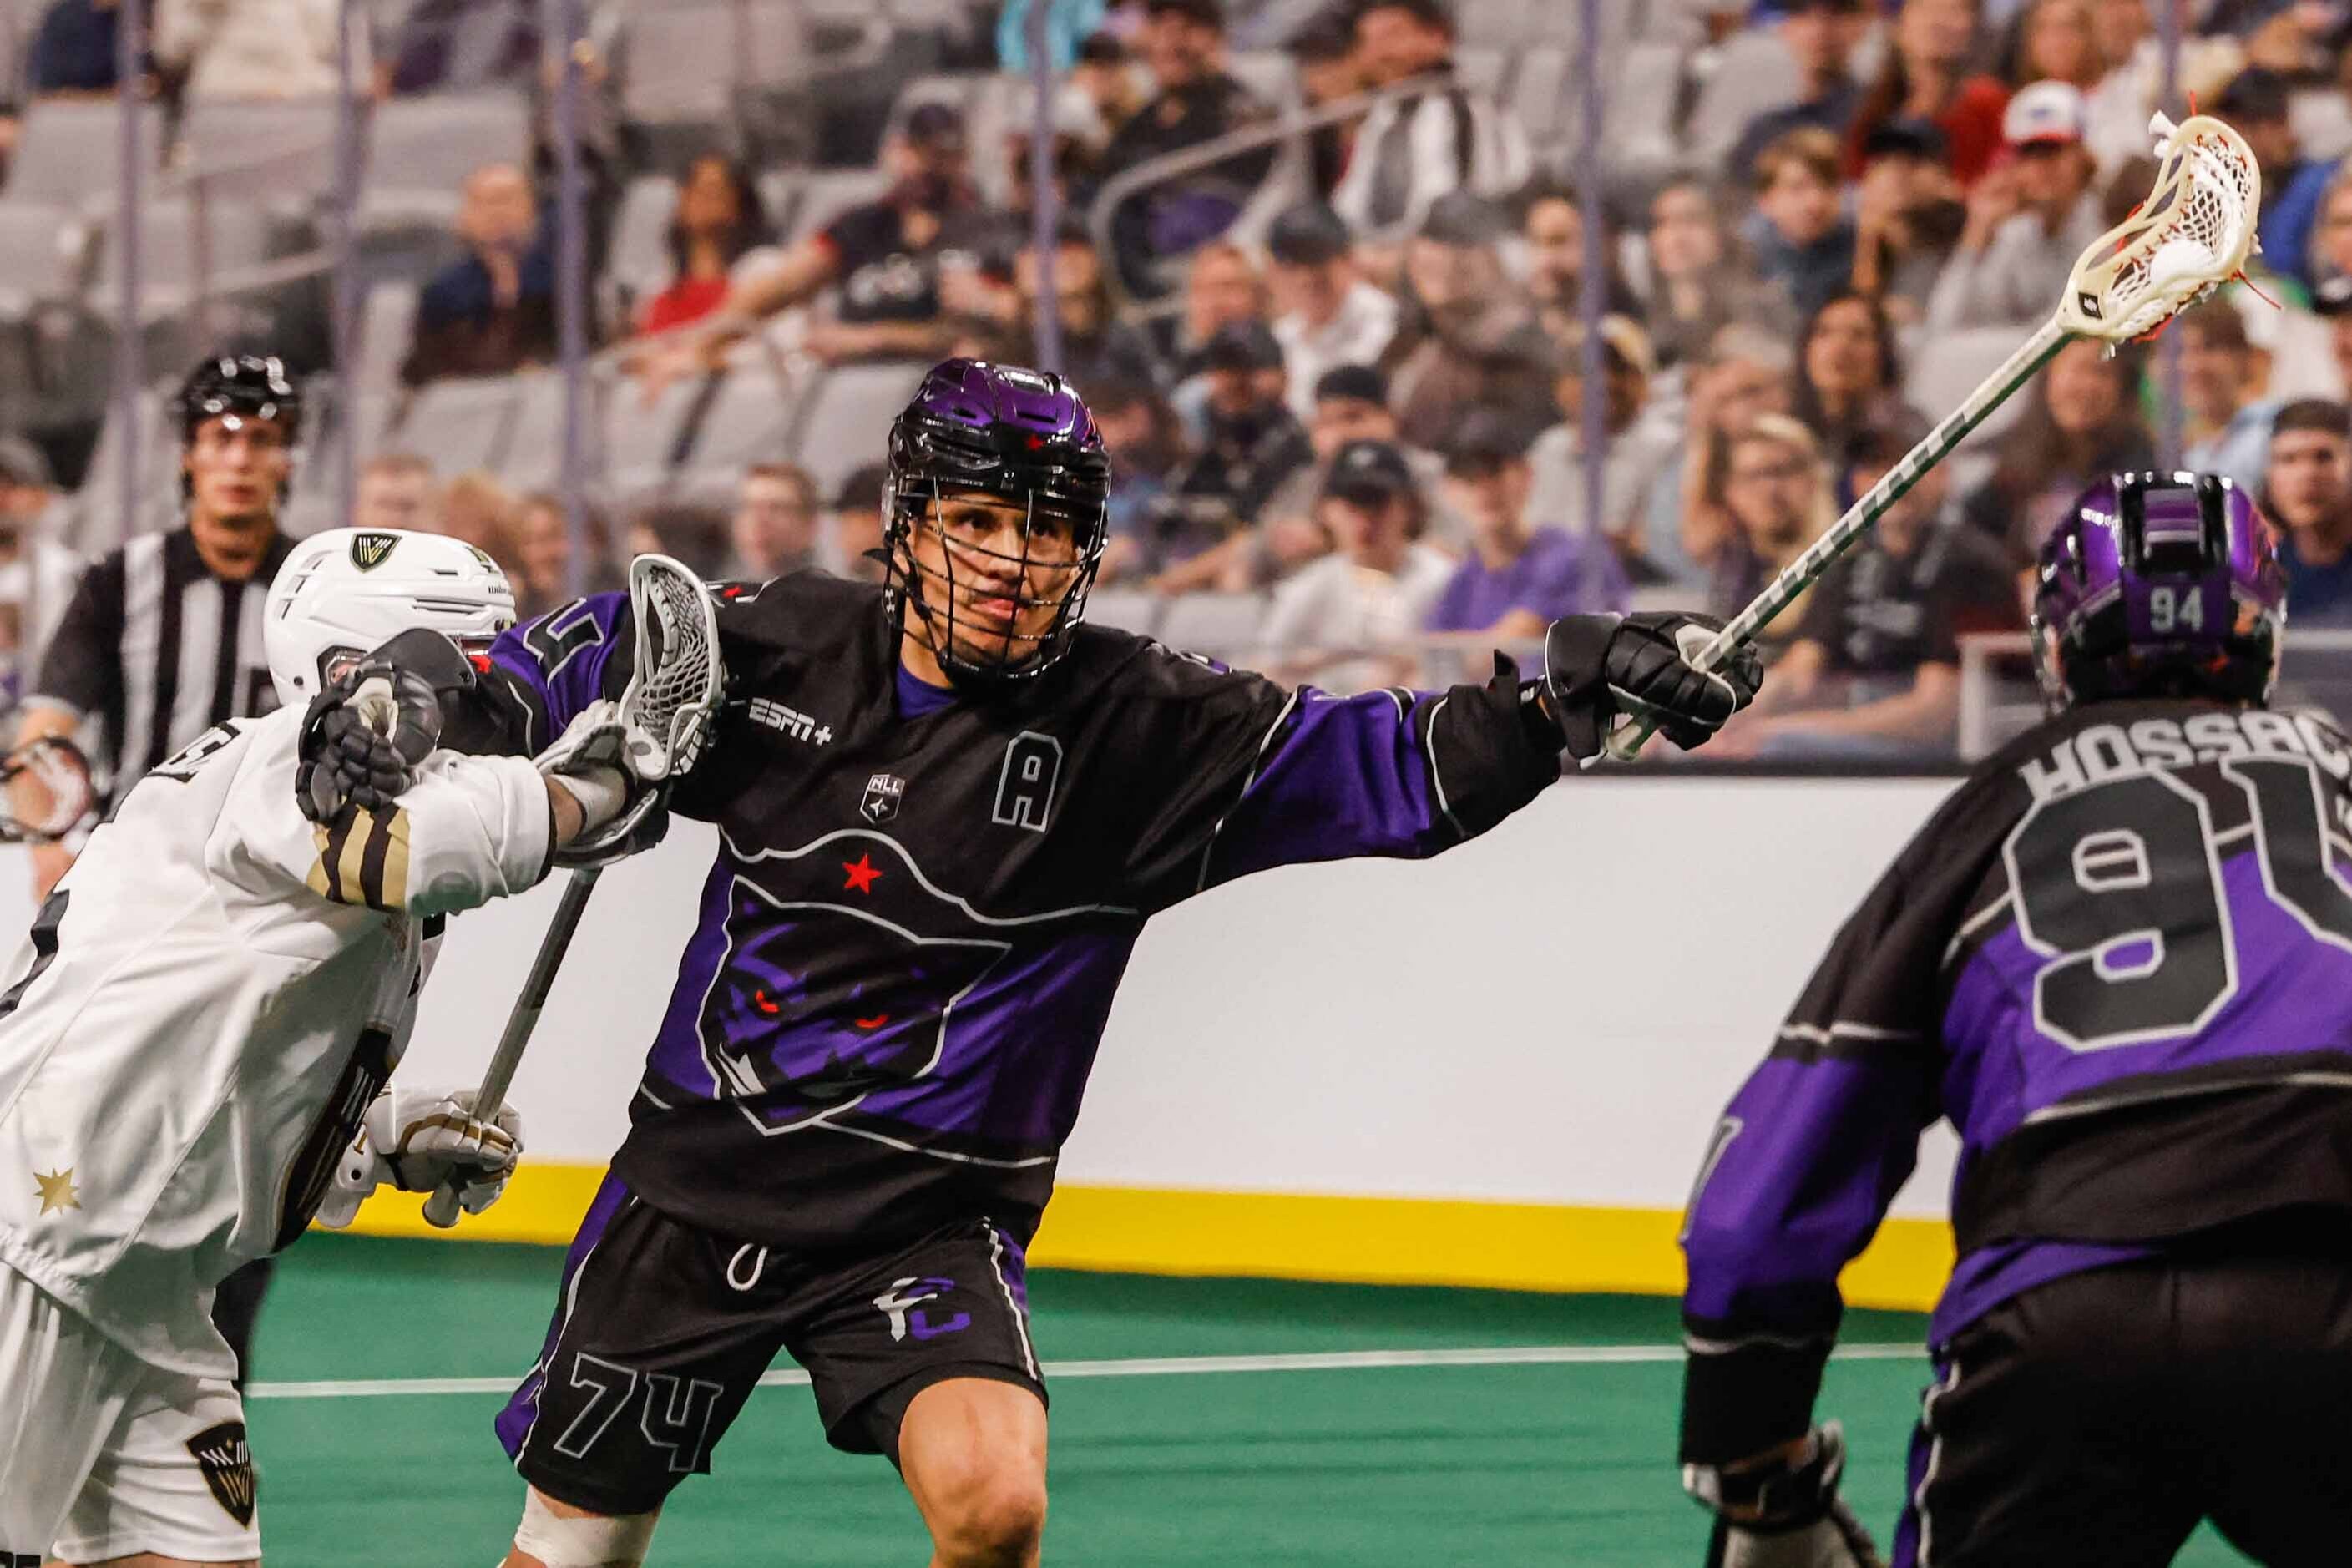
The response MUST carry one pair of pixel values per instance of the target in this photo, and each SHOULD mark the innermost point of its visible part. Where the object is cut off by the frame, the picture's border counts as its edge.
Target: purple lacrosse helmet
(1004, 434)
(2160, 585)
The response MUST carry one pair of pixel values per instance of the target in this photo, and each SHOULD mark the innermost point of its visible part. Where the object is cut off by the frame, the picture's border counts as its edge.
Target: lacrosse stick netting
(671, 695)
(2193, 234)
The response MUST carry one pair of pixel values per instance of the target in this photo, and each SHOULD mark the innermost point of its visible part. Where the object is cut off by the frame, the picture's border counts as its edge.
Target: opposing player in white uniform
(194, 1064)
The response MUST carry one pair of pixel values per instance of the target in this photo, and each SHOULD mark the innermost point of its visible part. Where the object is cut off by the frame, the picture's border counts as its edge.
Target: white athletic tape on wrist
(593, 1542)
(601, 792)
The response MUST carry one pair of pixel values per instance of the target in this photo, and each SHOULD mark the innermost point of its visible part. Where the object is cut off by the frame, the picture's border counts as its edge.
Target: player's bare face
(994, 575)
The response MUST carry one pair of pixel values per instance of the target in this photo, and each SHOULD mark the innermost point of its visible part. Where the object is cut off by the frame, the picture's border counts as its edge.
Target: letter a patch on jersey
(1024, 785)
(228, 1464)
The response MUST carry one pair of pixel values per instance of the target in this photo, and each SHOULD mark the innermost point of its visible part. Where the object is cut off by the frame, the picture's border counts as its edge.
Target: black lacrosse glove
(343, 760)
(1598, 668)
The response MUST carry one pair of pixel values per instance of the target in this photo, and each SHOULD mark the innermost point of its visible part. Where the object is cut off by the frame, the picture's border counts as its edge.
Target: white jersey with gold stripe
(214, 992)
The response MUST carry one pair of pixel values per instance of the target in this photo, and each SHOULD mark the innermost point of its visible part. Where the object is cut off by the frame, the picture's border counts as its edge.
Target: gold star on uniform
(57, 1190)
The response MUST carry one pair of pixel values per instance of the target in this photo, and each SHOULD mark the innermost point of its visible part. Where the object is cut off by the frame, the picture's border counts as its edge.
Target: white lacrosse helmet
(348, 590)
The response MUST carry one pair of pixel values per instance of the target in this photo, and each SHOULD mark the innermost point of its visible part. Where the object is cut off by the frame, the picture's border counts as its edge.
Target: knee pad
(593, 1542)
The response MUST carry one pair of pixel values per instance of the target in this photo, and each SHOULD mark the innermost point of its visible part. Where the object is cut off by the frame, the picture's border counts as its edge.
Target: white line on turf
(1166, 1366)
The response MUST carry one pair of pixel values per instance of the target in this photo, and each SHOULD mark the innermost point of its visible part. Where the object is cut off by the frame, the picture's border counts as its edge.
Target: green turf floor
(1426, 1465)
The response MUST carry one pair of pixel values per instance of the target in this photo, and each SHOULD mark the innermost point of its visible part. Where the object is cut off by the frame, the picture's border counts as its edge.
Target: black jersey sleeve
(81, 670)
(1241, 775)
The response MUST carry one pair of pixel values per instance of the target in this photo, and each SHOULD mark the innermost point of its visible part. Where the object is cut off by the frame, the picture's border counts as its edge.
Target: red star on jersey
(862, 874)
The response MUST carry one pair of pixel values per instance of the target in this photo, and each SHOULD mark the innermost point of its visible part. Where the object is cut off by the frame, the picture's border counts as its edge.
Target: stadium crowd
(1343, 372)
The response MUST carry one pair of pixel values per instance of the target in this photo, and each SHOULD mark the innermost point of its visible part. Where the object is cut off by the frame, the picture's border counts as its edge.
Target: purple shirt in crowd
(1559, 574)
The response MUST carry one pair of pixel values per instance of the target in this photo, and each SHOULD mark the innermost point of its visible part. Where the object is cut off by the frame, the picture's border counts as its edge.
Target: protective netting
(678, 675)
(2194, 232)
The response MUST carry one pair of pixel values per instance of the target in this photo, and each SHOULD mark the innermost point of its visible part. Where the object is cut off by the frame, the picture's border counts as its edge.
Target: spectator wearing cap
(1928, 76)
(1802, 238)
(857, 524)
(2308, 492)
(1419, 145)
(1638, 457)
(1820, 37)
(1351, 404)
(1518, 578)
(1253, 443)
(2227, 421)
(1909, 215)
(885, 257)
(1347, 620)
(493, 311)
(1327, 315)
(2256, 102)
(1552, 229)
(1194, 99)
(1701, 279)
(1872, 671)
(2029, 219)
(1477, 342)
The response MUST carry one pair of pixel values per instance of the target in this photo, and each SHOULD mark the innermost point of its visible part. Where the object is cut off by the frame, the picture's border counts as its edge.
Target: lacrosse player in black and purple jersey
(946, 808)
(2119, 961)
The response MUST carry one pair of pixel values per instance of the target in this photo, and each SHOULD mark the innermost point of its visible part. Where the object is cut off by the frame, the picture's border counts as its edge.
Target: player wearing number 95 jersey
(2119, 961)
(192, 1055)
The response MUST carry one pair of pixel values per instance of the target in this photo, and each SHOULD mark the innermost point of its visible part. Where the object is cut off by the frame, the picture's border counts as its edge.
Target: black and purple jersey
(922, 905)
(2119, 961)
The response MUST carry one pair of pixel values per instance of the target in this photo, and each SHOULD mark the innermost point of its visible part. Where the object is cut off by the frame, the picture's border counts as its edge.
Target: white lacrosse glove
(416, 1139)
(605, 763)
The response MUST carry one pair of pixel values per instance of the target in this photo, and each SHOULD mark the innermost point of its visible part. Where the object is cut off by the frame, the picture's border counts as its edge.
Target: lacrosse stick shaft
(1625, 742)
(441, 1209)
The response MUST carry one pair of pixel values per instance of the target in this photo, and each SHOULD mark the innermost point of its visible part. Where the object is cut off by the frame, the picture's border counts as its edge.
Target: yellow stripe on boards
(1282, 1235)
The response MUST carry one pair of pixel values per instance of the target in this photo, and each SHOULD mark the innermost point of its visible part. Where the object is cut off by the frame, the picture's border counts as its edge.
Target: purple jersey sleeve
(556, 664)
(1391, 773)
(1808, 1154)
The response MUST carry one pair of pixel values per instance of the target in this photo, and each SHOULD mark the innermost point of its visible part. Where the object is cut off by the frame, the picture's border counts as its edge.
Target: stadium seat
(420, 151)
(99, 526)
(641, 443)
(1483, 69)
(1946, 368)
(1270, 73)
(462, 424)
(747, 419)
(269, 153)
(844, 416)
(533, 454)
(43, 250)
(639, 260)
(1638, 115)
(827, 193)
(1221, 624)
(1748, 74)
(683, 63)
(67, 153)
(1540, 96)
(1128, 609)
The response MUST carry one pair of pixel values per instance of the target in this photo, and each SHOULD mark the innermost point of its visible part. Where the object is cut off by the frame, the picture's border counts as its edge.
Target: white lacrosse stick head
(677, 680)
(2193, 234)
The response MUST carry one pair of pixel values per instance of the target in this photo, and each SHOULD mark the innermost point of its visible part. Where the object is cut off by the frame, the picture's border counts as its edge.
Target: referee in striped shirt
(162, 639)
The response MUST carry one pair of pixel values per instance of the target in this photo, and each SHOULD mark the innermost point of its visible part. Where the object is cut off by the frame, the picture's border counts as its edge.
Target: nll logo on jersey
(220, 1452)
(792, 722)
(882, 793)
(370, 551)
